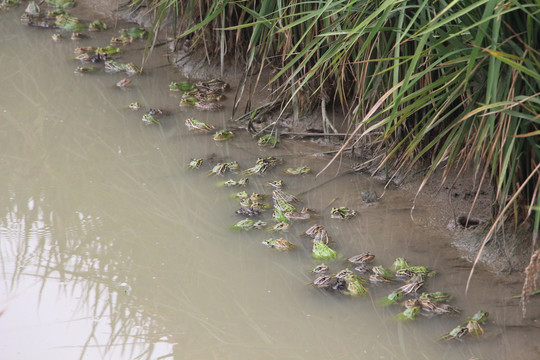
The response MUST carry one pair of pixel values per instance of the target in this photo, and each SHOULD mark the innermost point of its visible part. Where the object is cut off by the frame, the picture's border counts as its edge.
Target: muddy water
(111, 249)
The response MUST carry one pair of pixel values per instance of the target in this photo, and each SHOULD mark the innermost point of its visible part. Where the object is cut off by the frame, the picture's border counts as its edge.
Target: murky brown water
(111, 249)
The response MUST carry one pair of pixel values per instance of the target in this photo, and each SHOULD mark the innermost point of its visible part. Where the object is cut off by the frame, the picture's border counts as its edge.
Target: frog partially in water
(342, 212)
(195, 163)
(279, 244)
(223, 135)
(302, 170)
(320, 269)
(248, 224)
(134, 106)
(222, 168)
(362, 258)
(193, 124)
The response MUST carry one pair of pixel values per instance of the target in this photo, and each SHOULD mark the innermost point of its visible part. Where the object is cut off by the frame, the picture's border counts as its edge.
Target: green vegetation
(450, 83)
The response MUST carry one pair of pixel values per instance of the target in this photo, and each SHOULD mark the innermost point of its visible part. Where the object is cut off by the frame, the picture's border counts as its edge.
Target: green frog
(193, 124)
(195, 164)
(149, 119)
(222, 135)
(302, 170)
(276, 184)
(184, 86)
(71, 23)
(342, 212)
(222, 168)
(97, 25)
(261, 166)
(323, 251)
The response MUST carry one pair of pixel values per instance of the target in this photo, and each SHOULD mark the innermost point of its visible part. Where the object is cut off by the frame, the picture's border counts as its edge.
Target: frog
(108, 50)
(392, 298)
(318, 233)
(234, 183)
(213, 85)
(32, 9)
(57, 37)
(134, 32)
(149, 119)
(304, 214)
(97, 25)
(253, 204)
(114, 66)
(195, 163)
(276, 184)
(267, 139)
(84, 49)
(380, 274)
(279, 244)
(302, 170)
(324, 281)
(354, 284)
(85, 69)
(208, 106)
(281, 226)
(362, 258)
(342, 213)
(187, 101)
(248, 224)
(362, 269)
(222, 135)
(123, 83)
(181, 86)
(67, 22)
(222, 168)
(121, 40)
(414, 284)
(75, 36)
(278, 194)
(134, 106)
(193, 124)
(247, 211)
(323, 251)
(261, 166)
(412, 308)
(473, 323)
(320, 269)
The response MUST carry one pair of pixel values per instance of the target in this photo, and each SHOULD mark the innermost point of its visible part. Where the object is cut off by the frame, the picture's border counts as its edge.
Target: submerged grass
(451, 83)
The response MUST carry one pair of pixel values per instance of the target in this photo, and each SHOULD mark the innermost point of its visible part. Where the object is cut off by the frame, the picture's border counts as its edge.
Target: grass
(447, 83)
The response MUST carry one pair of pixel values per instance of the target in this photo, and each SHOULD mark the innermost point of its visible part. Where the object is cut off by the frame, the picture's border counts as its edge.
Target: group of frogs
(204, 95)
(207, 95)
(346, 281)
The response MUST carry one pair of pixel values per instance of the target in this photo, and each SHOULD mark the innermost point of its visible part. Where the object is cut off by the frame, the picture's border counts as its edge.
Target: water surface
(110, 248)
